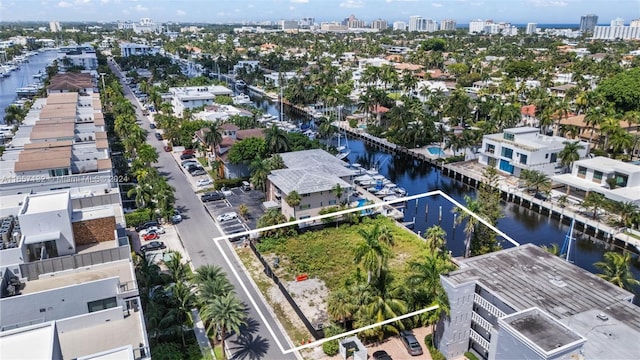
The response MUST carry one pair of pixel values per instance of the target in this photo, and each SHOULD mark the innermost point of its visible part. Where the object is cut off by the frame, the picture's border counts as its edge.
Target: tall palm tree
(213, 136)
(569, 154)
(337, 190)
(339, 305)
(475, 207)
(371, 252)
(182, 301)
(594, 201)
(224, 314)
(436, 238)
(147, 154)
(383, 304)
(276, 162)
(616, 269)
(276, 139)
(293, 199)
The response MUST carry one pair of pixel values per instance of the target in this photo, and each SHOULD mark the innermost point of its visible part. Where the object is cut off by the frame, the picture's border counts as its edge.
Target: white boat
(241, 99)
(343, 150)
(390, 198)
(267, 118)
(401, 191)
(241, 85)
(29, 90)
(384, 192)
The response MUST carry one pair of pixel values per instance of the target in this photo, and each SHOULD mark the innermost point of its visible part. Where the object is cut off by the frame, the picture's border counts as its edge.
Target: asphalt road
(197, 231)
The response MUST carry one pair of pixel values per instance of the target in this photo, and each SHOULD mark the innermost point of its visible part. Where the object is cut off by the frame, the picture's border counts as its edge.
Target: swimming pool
(434, 150)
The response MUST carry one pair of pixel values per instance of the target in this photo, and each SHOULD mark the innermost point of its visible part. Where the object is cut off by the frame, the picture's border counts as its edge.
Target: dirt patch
(311, 297)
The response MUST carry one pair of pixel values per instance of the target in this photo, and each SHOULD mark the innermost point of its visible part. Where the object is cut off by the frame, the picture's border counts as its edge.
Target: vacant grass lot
(328, 254)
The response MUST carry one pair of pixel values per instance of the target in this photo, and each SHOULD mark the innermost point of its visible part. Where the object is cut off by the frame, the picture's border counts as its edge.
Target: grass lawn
(328, 254)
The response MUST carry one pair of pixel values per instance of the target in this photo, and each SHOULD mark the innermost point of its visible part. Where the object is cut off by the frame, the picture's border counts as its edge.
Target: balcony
(479, 339)
(486, 325)
(492, 309)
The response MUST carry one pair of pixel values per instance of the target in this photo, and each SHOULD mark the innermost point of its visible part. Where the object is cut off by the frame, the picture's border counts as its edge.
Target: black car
(153, 245)
(152, 125)
(146, 225)
(158, 136)
(187, 156)
(192, 166)
(381, 355)
(212, 196)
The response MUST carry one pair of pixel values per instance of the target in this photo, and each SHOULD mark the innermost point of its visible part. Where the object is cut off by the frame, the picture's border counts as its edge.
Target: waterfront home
(131, 49)
(524, 302)
(83, 56)
(72, 82)
(616, 180)
(592, 134)
(312, 174)
(516, 149)
(191, 97)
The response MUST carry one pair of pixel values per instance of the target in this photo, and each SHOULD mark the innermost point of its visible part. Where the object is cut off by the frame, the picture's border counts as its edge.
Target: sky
(226, 11)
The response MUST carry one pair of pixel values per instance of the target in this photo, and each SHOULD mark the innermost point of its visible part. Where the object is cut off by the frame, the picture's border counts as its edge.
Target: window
(523, 159)
(508, 136)
(492, 162)
(491, 149)
(597, 176)
(305, 206)
(332, 202)
(305, 195)
(621, 179)
(554, 158)
(506, 152)
(103, 304)
(582, 172)
(58, 172)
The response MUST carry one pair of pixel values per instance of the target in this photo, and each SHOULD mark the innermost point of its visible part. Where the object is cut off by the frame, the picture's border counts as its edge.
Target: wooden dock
(510, 192)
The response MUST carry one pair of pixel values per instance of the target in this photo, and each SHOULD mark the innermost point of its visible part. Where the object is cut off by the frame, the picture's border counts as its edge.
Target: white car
(226, 216)
(157, 229)
(204, 182)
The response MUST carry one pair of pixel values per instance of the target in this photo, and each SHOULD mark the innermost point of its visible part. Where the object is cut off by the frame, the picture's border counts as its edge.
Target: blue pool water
(434, 150)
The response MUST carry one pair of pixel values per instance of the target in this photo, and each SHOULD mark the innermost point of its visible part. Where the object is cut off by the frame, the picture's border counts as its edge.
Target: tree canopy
(246, 150)
(623, 90)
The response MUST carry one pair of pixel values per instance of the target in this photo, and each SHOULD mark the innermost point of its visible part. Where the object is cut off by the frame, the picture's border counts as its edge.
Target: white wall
(50, 221)
(90, 319)
(57, 303)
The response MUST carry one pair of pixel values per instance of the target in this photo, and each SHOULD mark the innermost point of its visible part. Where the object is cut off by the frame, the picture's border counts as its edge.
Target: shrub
(353, 123)
(435, 353)
(230, 183)
(137, 217)
(332, 347)
(471, 356)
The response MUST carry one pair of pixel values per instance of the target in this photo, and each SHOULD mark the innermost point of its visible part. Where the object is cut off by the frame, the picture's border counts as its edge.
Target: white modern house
(616, 180)
(194, 96)
(312, 174)
(516, 149)
(132, 49)
(81, 55)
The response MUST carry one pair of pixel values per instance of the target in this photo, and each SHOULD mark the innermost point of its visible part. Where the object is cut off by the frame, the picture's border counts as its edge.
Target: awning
(35, 239)
(271, 205)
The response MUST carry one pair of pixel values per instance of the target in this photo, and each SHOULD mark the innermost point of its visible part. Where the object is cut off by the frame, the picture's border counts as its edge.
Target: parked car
(189, 152)
(411, 343)
(193, 166)
(211, 196)
(540, 196)
(381, 355)
(177, 217)
(205, 182)
(154, 245)
(152, 125)
(158, 229)
(158, 136)
(198, 172)
(227, 216)
(245, 186)
(146, 225)
(185, 164)
(187, 156)
(152, 235)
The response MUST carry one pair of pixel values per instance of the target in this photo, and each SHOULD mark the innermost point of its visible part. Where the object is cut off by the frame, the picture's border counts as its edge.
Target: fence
(34, 269)
(317, 333)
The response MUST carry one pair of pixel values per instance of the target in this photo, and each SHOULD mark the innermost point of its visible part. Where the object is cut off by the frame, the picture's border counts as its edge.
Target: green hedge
(138, 217)
(471, 356)
(435, 353)
(230, 183)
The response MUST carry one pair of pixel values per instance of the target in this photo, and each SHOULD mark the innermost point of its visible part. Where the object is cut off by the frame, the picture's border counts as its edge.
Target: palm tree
(276, 139)
(337, 190)
(259, 172)
(436, 238)
(372, 252)
(616, 269)
(293, 199)
(536, 179)
(182, 301)
(14, 115)
(594, 201)
(147, 154)
(553, 249)
(570, 153)
(276, 162)
(224, 314)
(384, 303)
(339, 305)
(474, 206)
(213, 136)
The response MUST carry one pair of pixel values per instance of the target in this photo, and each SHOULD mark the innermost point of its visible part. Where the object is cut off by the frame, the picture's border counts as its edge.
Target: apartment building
(447, 25)
(516, 149)
(191, 97)
(525, 303)
(616, 33)
(616, 180)
(83, 56)
(588, 22)
(81, 83)
(379, 24)
(131, 49)
(312, 174)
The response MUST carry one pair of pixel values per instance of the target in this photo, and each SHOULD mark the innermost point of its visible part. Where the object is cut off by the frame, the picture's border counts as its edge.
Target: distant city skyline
(226, 11)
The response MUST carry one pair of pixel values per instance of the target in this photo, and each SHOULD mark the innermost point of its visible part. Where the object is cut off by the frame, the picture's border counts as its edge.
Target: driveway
(197, 231)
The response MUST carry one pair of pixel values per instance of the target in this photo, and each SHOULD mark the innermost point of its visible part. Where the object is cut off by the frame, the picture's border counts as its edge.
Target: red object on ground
(302, 277)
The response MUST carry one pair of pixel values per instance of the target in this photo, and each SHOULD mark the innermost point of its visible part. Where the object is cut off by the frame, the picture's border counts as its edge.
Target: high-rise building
(616, 32)
(531, 28)
(400, 25)
(417, 23)
(447, 25)
(430, 25)
(617, 22)
(476, 26)
(288, 25)
(634, 23)
(54, 26)
(379, 24)
(588, 22)
(307, 22)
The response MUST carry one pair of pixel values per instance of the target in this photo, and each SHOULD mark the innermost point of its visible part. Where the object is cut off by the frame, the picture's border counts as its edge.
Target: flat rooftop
(605, 164)
(121, 269)
(32, 342)
(99, 338)
(542, 330)
(305, 181)
(45, 202)
(527, 276)
(316, 159)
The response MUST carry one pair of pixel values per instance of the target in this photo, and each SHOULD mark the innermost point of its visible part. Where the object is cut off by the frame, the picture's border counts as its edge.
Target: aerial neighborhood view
(320, 179)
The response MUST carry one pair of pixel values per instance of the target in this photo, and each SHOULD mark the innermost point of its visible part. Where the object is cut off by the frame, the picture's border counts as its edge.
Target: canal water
(521, 224)
(22, 77)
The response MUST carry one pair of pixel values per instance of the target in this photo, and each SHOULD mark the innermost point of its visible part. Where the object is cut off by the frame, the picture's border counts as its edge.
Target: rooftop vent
(557, 281)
